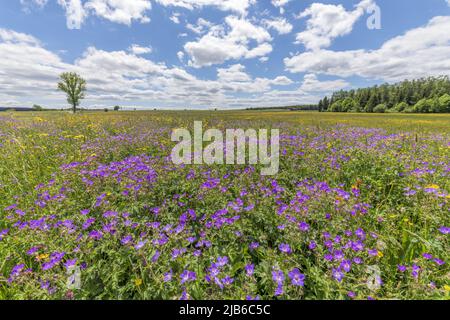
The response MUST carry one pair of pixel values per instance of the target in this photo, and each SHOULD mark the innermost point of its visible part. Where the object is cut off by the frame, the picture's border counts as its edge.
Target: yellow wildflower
(43, 256)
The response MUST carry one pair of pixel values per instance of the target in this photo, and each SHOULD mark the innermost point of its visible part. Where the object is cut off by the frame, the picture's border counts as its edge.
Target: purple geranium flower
(168, 276)
(249, 269)
(415, 271)
(188, 276)
(278, 276)
(338, 275)
(285, 248)
(32, 251)
(70, 263)
(346, 265)
(297, 278)
(254, 245)
(126, 240)
(401, 268)
(427, 256)
(444, 230)
(222, 261)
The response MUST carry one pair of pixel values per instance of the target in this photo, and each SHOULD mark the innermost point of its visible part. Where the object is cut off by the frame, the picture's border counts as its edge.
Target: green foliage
(381, 108)
(74, 86)
(340, 173)
(37, 108)
(444, 103)
(428, 95)
(400, 107)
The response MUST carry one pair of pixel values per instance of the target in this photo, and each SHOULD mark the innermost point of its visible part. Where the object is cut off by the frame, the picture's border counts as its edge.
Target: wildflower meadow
(92, 207)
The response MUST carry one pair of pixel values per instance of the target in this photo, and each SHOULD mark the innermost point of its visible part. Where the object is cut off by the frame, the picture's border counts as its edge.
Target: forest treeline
(426, 95)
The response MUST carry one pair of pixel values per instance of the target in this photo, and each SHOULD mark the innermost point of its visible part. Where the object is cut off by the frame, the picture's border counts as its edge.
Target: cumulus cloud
(220, 45)
(180, 55)
(281, 25)
(280, 4)
(238, 6)
(201, 27)
(25, 67)
(282, 81)
(423, 51)
(327, 22)
(29, 72)
(312, 84)
(120, 11)
(139, 50)
(75, 13)
(175, 18)
(28, 5)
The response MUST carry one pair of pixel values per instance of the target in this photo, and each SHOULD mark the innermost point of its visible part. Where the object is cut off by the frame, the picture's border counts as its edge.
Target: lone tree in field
(74, 86)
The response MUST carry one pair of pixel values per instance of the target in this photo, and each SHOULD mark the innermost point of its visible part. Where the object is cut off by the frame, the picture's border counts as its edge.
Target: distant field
(421, 122)
(359, 210)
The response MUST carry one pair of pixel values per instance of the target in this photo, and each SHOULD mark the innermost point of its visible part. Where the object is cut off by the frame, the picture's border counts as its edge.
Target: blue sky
(215, 53)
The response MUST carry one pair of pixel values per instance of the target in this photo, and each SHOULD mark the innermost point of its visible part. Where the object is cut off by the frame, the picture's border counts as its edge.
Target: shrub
(381, 108)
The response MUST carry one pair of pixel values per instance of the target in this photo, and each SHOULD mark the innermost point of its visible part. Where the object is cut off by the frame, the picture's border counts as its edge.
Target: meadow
(92, 207)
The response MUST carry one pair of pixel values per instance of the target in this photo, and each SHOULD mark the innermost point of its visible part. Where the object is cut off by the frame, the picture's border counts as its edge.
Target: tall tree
(74, 86)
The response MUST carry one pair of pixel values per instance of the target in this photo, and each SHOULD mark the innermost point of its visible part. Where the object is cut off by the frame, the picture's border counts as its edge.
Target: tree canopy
(74, 86)
(426, 95)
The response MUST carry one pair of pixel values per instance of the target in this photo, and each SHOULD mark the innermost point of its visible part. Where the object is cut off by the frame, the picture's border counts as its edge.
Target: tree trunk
(74, 108)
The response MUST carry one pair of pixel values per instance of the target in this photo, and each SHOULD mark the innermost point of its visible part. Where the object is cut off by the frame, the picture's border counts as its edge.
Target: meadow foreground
(93, 208)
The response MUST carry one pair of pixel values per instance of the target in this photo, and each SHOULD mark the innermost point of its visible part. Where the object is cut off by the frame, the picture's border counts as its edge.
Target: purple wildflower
(222, 261)
(278, 276)
(427, 256)
(249, 269)
(338, 275)
(401, 268)
(297, 278)
(168, 276)
(346, 265)
(70, 263)
(444, 230)
(285, 248)
(188, 276)
(126, 240)
(254, 245)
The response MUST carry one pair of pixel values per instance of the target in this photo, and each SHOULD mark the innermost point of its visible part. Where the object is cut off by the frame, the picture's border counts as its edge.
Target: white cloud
(238, 6)
(27, 5)
(280, 4)
(75, 13)
(29, 73)
(175, 18)
(139, 50)
(10, 36)
(235, 73)
(327, 22)
(25, 67)
(218, 45)
(312, 84)
(201, 27)
(180, 55)
(281, 25)
(282, 81)
(423, 51)
(120, 11)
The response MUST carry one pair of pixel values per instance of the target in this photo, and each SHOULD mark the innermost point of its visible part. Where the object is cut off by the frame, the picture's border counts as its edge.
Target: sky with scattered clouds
(215, 53)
